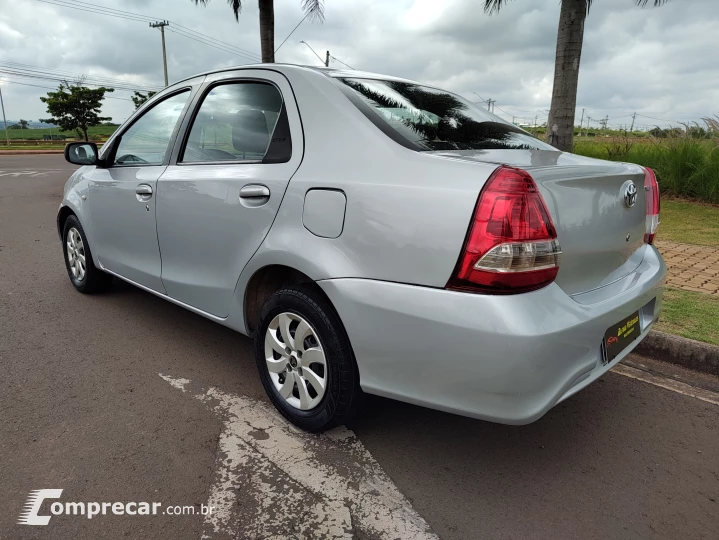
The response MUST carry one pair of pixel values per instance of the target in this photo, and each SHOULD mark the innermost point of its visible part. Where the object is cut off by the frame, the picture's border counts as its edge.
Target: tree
(75, 107)
(313, 8)
(570, 35)
(139, 99)
(21, 124)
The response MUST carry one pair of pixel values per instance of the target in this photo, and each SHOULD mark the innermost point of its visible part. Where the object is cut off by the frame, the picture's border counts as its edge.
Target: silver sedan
(372, 234)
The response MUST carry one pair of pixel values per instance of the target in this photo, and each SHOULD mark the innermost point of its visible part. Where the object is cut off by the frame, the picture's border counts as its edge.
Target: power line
(220, 47)
(120, 12)
(63, 78)
(317, 55)
(67, 75)
(147, 18)
(85, 9)
(340, 61)
(51, 88)
(210, 38)
(111, 12)
(293, 31)
(658, 119)
(501, 109)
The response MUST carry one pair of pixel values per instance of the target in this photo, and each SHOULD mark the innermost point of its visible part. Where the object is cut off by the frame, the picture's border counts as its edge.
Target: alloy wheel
(76, 254)
(296, 361)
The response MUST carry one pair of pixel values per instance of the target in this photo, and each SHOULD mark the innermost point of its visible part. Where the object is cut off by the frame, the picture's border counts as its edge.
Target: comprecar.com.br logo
(30, 514)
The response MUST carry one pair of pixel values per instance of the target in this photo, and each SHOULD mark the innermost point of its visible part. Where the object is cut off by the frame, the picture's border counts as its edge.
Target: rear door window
(234, 123)
(427, 118)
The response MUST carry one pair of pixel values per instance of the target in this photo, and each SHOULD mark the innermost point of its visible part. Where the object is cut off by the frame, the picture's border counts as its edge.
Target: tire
(86, 278)
(341, 394)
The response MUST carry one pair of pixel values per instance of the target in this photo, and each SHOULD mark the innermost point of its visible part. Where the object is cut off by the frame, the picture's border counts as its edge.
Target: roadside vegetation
(689, 222)
(94, 133)
(75, 107)
(685, 166)
(691, 315)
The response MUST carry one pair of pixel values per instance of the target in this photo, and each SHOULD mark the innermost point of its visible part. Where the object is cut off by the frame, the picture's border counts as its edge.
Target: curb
(681, 351)
(30, 152)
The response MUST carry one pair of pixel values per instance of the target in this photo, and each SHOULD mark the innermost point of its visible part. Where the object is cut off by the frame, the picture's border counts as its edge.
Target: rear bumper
(506, 359)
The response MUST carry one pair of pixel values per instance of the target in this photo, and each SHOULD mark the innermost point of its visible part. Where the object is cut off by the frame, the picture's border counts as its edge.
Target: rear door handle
(254, 191)
(143, 192)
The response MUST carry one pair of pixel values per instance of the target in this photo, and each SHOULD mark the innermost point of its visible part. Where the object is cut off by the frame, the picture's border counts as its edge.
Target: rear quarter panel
(407, 212)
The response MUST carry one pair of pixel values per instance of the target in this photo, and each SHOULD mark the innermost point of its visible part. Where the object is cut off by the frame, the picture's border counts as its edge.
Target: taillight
(512, 244)
(651, 195)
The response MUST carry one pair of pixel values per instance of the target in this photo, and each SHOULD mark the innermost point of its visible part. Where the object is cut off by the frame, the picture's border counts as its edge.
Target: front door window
(146, 142)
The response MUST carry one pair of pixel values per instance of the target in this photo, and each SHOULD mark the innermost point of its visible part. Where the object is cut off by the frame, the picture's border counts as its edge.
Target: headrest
(249, 131)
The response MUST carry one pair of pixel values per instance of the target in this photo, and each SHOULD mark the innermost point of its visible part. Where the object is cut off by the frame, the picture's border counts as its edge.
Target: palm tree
(560, 126)
(313, 8)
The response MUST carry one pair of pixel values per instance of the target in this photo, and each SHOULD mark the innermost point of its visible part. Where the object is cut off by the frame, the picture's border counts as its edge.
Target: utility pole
(589, 120)
(2, 104)
(490, 104)
(327, 59)
(634, 116)
(581, 123)
(161, 25)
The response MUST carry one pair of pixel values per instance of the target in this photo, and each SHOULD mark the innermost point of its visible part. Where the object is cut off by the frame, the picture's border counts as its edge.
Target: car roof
(288, 68)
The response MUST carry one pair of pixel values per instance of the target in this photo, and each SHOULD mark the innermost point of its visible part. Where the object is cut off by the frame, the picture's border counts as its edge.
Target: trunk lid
(602, 239)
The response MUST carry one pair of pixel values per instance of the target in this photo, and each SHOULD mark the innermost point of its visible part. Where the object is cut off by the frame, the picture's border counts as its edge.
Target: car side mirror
(82, 153)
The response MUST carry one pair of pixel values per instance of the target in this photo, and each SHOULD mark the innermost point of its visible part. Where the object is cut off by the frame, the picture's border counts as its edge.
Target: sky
(659, 62)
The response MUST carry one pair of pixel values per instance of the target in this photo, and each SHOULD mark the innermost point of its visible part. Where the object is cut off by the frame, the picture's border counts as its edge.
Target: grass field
(685, 167)
(689, 222)
(14, 134)
(690, 315)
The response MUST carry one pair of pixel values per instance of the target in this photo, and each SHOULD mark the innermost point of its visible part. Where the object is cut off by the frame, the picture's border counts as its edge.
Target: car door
(122, 196)
(220, 194)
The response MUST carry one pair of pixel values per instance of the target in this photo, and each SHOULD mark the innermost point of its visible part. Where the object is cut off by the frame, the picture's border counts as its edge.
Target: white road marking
(33, 174)
(668, 384)
(275, 481)
(177, 383)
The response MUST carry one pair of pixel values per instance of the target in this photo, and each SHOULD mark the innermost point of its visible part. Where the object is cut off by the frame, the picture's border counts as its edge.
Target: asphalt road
(83, 409)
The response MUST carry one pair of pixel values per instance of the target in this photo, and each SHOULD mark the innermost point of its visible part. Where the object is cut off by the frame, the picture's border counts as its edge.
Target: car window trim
(166, 158)
(199, 99)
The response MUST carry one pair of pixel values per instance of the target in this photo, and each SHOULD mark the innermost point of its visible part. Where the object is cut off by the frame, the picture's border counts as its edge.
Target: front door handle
(143, 192)
(254, 191)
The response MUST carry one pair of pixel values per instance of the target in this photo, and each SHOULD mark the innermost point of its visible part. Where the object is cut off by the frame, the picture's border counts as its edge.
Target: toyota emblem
(629, 193)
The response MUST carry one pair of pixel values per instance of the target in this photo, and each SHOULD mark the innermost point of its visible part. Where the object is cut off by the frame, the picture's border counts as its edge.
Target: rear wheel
(305, 359)
(84, 276)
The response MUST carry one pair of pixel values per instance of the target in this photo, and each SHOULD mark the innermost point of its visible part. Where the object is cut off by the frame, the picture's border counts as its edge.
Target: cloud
(657, 61)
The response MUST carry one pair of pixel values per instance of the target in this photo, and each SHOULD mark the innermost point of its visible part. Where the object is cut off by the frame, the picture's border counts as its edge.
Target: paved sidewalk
(692, 268)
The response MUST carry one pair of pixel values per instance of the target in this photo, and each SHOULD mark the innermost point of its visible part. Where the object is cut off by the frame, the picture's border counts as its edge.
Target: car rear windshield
(431, 119)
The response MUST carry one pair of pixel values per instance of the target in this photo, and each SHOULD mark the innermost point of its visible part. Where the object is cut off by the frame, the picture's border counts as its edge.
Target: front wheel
(84, 276)
(305, 359)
